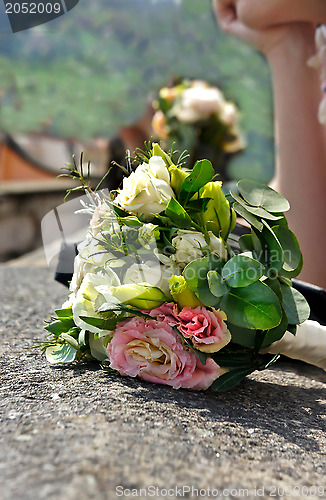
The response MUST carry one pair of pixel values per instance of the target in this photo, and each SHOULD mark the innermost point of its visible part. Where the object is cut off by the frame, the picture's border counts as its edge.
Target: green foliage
(295, 305)
(254, 306)
(231, 379)
(202, 173)
(216, 283)
(196, 276)
(178, 215)
(242, 270)
(262, 196)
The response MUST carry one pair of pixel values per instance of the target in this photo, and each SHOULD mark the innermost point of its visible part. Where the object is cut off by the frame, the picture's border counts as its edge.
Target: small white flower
(152, 273)
(188, 246)
(91, 296)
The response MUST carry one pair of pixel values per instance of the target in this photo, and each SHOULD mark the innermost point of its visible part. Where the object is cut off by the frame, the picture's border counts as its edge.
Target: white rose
(198, 103)
(217, 246)
(158, 168)
(152, 273)
(143, 192)
(90, 297)
(188, 246)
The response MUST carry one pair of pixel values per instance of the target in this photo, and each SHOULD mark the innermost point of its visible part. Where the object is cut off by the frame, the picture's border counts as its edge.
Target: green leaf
(64, 313)
(201, 174)
(292, 254)
(295, 305)
(242, 270)
(178, 215)
(195, 273)
(199, 205)
(276, 333)
(262, 196)
(253, 221)
(258, 212)
(103, 324)
(62, 353)
(233, 360)
(292, 329)
(216, 285)
(271, 250)
(230, 380)
(206, 297)
(58, 327)
(254, 306)
(242, 336)
(275, 285)
(246, 243)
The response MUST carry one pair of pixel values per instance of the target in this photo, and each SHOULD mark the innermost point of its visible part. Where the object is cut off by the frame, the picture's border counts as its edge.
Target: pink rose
(206, 329)
(167, 312)
(153, 351)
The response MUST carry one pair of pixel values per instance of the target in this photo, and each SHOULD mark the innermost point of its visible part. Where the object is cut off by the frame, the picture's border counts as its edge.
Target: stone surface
(69, 432)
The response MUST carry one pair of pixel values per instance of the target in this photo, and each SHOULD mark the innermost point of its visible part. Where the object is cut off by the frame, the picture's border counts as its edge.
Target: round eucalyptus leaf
(246, 243)
(276, 333)
(242, 270)
(242, 336)
(216, 285)
(254, 306)
(251, 218)
(262, 196)
(195, 273)
(291, 249)
(295, 305)
(271, 250)
(257, 211)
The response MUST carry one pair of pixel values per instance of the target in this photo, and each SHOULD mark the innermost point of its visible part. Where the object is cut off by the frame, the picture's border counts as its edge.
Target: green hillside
(92, 71)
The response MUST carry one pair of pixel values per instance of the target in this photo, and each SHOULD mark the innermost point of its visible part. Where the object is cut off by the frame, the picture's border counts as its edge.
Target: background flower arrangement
(196, 117)
(158, 291)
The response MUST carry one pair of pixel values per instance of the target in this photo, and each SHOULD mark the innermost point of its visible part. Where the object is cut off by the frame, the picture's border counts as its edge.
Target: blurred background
(91, 80)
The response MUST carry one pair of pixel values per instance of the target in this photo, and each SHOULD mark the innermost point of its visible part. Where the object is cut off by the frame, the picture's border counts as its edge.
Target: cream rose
(147, 190)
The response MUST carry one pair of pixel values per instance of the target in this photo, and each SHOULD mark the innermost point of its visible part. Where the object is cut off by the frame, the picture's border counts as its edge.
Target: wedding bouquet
(160, 290)
(196, 116)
